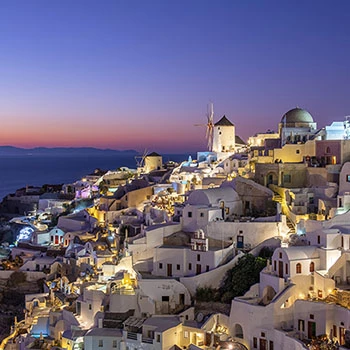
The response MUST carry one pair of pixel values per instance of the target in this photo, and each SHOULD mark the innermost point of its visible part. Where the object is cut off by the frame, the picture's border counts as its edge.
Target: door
(169, 270)
(182, 299)
(311, 330)
(262, 344)
(198, 269)
(341, 335)
(280, 269)
(240, 242)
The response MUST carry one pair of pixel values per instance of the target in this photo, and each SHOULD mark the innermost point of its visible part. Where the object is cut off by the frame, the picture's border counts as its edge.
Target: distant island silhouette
(37, 151)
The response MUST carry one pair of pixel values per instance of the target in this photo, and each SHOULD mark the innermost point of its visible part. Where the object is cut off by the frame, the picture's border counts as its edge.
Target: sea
(36, 170)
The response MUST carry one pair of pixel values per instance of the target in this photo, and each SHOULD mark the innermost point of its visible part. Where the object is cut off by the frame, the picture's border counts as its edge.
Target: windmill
(209, 125)
(141, 159)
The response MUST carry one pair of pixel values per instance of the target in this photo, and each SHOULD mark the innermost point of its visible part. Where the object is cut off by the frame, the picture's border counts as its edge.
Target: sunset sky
(139, 74)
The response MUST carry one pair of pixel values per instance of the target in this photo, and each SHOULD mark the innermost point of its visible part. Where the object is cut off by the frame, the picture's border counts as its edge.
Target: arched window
(328, 150)
(298, 268)
(312, 266)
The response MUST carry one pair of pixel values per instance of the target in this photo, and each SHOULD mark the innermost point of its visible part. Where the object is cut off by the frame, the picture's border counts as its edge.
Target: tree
(241, 277)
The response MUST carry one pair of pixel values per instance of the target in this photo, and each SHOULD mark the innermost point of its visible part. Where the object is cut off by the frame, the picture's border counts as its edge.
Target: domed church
(296, 126)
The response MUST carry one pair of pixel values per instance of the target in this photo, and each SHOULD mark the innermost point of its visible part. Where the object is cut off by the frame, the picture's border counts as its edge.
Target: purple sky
(139, 74)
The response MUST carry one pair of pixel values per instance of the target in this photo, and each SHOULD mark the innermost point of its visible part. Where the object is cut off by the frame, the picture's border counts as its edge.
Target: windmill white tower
(209, 125)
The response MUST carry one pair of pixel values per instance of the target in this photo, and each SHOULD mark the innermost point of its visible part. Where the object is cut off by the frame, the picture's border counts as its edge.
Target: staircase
(290, 226)
(277, 198)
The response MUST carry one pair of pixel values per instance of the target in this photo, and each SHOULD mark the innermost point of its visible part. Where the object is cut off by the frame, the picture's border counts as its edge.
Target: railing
(147, 340)
(131, 335)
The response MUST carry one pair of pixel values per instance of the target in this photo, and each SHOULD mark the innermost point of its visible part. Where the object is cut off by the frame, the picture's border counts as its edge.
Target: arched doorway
(238, 331)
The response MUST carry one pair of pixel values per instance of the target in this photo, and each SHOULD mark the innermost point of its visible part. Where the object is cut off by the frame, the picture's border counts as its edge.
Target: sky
(139, 74)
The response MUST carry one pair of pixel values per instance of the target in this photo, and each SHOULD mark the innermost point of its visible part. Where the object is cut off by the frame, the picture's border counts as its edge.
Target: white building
(224, 136)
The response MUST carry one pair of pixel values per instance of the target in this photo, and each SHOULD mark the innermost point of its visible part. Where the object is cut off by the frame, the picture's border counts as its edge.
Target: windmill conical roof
(223, 122)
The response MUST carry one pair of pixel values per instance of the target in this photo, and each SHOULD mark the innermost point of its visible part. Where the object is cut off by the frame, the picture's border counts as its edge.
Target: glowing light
(24, 234)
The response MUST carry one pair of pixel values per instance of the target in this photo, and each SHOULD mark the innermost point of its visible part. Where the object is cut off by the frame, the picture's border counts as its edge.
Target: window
(100, 343)
(287, 178)
(178, 267)
(312, 316)
(348, 178)
(318, 239)
(160, 265)
(198, 257)
(227, 210)
(263, 334)
(255, 343)
(189, 266)
(297, 151)
(301, 325)
(286, 269)
(185, 334)
(90, 306)
(328, 150)
(114, 344)
(271, 345)
(165, 298)
(298, 268)
(189, 214)
(207, 268)
(280, 255)
(274, 265)
(158, 338)
(312, 266)
(201, 215)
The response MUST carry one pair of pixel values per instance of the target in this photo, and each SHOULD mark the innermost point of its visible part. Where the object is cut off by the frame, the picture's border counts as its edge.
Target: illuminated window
(312, 266)
(348, 178)
(298, 268)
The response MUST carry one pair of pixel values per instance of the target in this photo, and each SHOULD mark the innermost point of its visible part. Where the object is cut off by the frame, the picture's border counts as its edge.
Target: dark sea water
(19, 171)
